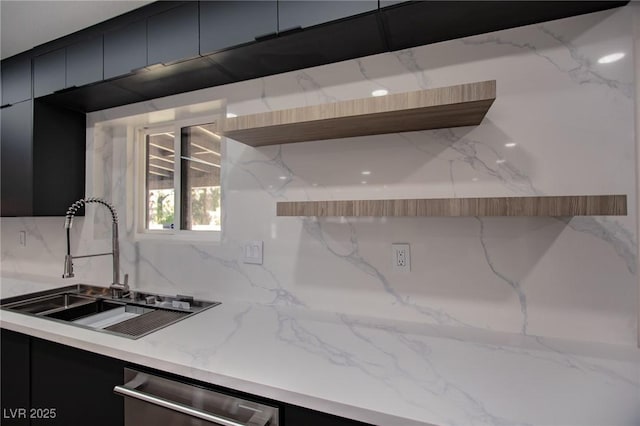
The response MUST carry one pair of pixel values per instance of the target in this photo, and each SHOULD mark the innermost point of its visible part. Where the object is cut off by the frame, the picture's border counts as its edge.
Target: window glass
(160, 185)
(200, 178)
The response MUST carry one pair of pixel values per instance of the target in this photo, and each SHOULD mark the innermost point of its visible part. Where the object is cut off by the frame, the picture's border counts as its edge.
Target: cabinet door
(125, 50)
(84, 62)
(17, 160)
(385, 3)
(78, 384)
(16, 79)
(173, 35)
(15, 378)
(294, 415)
(230, 23)
(49, 73)
(306, 13)
(59, 151)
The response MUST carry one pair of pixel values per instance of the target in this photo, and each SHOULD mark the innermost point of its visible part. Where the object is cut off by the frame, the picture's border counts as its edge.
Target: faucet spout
(118, 289)
(68, 267)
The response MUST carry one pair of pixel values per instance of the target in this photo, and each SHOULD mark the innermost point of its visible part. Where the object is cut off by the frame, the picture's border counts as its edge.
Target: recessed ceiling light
(475, 179)
(364, 182)
(283, 178)
(365, 172)
(607, 59)
(379, 92)
(510, 144)
(231, 115)
(500, 160)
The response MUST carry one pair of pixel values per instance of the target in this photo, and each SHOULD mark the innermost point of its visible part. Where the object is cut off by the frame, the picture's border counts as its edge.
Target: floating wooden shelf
(578, 205)
(453, 106)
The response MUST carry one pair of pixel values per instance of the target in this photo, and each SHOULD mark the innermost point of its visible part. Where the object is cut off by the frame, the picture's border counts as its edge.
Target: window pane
(200, 178)
(160, 158)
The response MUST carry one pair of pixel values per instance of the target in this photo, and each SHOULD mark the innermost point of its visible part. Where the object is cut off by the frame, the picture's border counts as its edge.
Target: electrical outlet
(401, 257)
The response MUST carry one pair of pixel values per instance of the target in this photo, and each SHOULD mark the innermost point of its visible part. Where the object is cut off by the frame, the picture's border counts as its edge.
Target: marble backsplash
(562, 124)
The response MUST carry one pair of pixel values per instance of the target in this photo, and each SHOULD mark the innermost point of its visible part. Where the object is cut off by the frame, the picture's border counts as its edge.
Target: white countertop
(380, 372)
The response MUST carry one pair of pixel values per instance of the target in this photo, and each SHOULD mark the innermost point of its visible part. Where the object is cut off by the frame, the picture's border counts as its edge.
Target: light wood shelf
(453, 106)
(574, 205)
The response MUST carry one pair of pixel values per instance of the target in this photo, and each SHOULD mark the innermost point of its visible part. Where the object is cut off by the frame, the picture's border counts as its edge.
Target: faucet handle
(119, 291)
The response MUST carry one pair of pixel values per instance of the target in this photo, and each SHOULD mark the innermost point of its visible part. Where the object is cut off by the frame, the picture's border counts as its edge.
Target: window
(181, 182)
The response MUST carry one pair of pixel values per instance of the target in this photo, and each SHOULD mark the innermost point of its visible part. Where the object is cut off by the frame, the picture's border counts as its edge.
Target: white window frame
(140, 208)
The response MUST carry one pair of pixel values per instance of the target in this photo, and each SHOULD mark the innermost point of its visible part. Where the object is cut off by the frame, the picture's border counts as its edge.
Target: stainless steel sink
(93, 307)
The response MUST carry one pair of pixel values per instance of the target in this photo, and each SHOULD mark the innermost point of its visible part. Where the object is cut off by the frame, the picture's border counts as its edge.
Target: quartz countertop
(377, 371)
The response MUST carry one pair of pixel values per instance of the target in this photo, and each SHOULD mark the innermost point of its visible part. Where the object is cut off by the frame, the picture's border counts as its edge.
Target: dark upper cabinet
(306, 13)
(225, 24)
(49, 73)
(59, 150)
(385, 3)
(173, 35)
(125, 50)
(16, 79)
(84, 62)
(43, 159)
(323, 44)
(416, 23)
(17, 167)
(172, 79)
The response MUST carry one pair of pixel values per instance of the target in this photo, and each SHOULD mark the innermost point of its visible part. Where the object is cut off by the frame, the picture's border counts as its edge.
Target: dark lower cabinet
(77, 384)
(15, 378)
(46, 383)
(298, 416)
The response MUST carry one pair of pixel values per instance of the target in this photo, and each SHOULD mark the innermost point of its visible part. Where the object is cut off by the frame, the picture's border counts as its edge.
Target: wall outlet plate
(252, 252)
(401, 257)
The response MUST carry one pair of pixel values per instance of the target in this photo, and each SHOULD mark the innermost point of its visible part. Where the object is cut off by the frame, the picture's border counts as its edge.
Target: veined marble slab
(562, 124)
(388, 373)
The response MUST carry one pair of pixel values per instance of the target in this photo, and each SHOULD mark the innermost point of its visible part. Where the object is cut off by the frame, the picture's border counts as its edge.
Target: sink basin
(49, 304)
(76, 312)
(93, 307)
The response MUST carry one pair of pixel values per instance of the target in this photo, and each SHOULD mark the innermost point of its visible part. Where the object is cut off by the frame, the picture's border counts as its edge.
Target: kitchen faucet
(118, 290)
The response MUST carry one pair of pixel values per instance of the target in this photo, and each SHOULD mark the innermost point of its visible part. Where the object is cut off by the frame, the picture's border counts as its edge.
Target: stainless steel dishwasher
(153, 400)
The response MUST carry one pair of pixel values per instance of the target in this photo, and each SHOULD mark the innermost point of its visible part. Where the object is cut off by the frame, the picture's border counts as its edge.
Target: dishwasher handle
(184, 409)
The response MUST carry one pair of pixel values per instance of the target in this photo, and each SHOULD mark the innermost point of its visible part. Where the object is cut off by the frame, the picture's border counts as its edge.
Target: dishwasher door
(152, 400)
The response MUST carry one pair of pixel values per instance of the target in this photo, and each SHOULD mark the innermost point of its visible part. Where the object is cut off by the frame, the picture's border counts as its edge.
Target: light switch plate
(252, 252)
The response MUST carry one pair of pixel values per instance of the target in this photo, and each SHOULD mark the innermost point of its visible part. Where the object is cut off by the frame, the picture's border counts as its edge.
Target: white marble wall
(571, 118)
